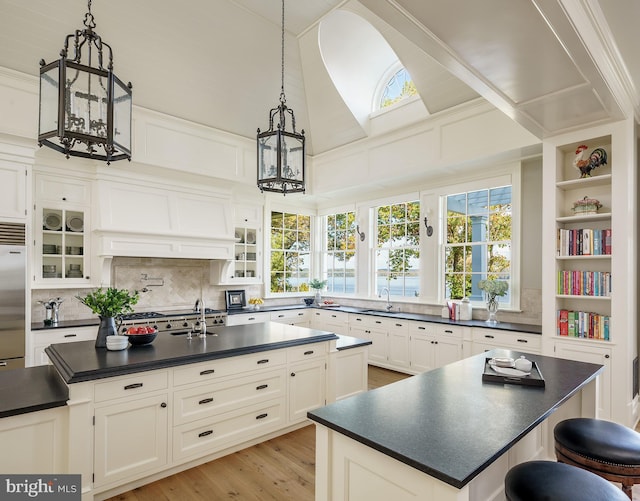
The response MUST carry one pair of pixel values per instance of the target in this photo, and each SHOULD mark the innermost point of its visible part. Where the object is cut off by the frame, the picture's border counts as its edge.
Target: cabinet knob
(64, 199)
(293, 374)
(163, 405)
(606, 356)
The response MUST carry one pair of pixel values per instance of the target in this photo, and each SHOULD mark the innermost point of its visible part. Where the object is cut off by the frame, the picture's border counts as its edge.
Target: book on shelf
(583, 242)
(582, 324)
(584, 283)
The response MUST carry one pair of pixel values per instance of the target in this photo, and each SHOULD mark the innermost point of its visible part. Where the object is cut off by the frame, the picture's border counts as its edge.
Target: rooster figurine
(585, 164)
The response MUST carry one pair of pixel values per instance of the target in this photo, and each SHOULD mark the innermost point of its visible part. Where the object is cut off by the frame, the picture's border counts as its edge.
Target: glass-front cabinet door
(61, 241)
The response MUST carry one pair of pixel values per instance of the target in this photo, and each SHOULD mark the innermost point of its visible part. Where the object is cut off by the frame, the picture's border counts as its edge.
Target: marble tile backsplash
(167, 284)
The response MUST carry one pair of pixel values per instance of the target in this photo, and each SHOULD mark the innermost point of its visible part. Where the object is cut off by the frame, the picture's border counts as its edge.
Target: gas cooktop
(144, 315)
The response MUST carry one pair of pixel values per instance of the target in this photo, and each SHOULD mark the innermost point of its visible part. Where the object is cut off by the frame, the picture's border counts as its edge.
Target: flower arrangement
(111, 302)
(317, 284)
(256, 301)
(494, 288)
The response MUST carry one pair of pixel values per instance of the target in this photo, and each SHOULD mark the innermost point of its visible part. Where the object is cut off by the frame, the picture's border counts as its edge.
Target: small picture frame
(236, 300)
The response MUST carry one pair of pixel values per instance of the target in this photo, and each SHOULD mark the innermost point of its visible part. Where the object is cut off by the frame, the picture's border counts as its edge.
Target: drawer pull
(263, 361)
(358, 320)
(205, 433)
(251, 318)
(280, 316)
(262, 416)
(205, 401)
(398, 325)
(378, 321)
(4, 364)
(422, 328)
(208, 371)
(309, 352)
(293, 374)
(300, 314)
(489, 336)
(334, 316)
(522, 341)
(163, 405)
(262, 387)
(447, 331)
(132, 386)
(70, 335)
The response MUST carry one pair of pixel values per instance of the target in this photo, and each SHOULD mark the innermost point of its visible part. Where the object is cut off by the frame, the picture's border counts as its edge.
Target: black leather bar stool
(551, 481)
(607, 449)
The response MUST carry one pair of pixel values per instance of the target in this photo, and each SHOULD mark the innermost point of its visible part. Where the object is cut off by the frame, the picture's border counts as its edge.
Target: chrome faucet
(196, 307)
(389, 305)
(201, 328)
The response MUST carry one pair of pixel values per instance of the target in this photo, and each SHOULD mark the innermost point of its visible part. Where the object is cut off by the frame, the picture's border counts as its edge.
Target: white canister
(466, 311)
(522, 364)
(444, 313)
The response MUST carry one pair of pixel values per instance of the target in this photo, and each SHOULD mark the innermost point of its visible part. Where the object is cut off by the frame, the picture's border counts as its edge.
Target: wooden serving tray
(533, 379)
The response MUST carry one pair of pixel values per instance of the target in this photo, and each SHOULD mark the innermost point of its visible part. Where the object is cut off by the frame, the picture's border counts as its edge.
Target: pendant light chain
(283, 98)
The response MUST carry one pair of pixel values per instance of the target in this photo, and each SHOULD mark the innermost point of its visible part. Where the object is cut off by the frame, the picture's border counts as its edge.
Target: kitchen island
(140, 414)
(446, 434)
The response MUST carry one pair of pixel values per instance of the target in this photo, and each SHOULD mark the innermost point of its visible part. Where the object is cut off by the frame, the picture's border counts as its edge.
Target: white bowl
(117, 342)
(502, 362)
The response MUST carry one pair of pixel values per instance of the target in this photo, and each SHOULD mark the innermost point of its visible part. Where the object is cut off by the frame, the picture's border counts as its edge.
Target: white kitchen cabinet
(301, 317)
(488, 339)
(434, 345)
(593, 354)
(130, 438)
(350, 372)
(40, 339)
(330, 320)
(246, 265)
(34, 443)
(389, 338)
(307, 388)
(13, 179)
(248, 318)
(62, 229)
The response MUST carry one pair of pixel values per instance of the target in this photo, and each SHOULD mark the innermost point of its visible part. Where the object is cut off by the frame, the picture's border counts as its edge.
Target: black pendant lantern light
(85, 110)
(281, 154)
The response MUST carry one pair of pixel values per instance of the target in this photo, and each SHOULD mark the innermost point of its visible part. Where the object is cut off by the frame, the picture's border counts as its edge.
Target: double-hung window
(477, 241)
(339, 252)
(397, 248)
(290, 252)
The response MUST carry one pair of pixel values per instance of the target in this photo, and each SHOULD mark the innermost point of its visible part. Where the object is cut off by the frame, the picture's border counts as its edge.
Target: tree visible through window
(398, 248)
(290, 252)
(399, 86)
(478, 241)
(339, 255)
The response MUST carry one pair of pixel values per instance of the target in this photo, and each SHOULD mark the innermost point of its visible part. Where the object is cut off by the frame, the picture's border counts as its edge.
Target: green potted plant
(109, 304)
(317, 285)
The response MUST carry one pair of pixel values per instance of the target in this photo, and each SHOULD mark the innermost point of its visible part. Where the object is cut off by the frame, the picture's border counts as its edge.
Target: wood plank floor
(280, 469)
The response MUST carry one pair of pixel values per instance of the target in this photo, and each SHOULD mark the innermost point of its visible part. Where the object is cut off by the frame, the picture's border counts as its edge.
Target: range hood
(136, 220)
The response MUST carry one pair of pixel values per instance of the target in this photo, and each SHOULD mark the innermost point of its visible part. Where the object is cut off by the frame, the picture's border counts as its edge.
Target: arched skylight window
(397, 88)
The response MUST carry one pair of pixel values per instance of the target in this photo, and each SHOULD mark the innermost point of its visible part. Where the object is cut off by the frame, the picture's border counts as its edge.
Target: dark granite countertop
(505, 326)
(81, 361)
(346, 342)
(447, 422)
(31, 389)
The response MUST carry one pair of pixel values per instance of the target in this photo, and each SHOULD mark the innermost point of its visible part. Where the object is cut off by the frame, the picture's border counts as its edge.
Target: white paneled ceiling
(551, 65)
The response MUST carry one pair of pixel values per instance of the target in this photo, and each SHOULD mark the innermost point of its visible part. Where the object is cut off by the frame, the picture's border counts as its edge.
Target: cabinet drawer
(248, 318)
(127, 386)
(224, 367)
(210, 435)
(422, 328)
(215, 398)
(508, 339)
(450, 331)
(62, 189)
(66, 335)
(290, 316)
(373, 321)
(306, 351)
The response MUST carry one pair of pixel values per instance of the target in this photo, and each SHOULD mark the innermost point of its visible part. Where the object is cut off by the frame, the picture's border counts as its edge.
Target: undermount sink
(381, 312)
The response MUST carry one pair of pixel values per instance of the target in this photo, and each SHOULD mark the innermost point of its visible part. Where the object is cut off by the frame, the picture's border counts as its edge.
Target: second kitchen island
(445, 435)
(149, 411)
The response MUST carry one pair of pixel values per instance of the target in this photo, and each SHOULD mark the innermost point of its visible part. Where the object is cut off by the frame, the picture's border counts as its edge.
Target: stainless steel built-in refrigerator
(13, 278)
